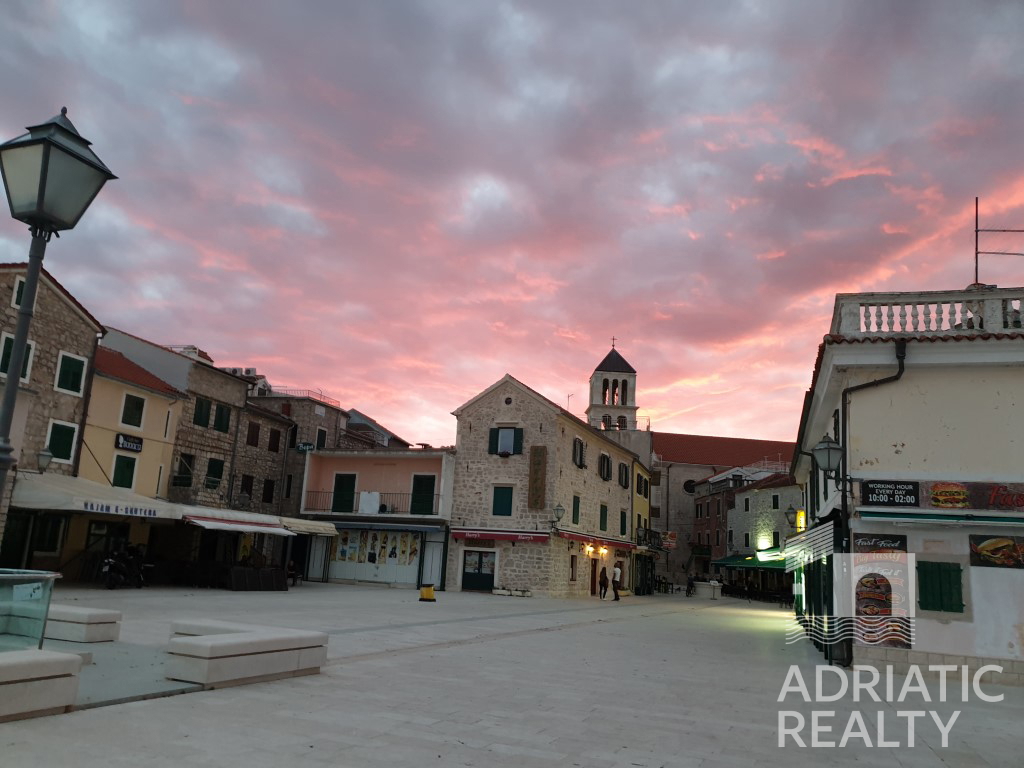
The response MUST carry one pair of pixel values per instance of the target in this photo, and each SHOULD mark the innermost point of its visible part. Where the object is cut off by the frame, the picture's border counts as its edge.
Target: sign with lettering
(108, 508)
(891, 493)
(128, 443)
(304, 447)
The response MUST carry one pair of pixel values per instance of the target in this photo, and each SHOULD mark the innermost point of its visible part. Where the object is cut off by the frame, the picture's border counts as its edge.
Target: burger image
(997, 551)
(949, 495)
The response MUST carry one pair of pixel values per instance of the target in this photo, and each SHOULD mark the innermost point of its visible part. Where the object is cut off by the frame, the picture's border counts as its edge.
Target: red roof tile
(114, 365)
(724, 452)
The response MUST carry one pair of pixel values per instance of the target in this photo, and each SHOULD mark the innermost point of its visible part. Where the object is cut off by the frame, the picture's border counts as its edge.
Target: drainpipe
(844, 517)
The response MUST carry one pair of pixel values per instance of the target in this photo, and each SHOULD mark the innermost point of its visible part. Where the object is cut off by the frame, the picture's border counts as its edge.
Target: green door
(343, 501)
(422, 502)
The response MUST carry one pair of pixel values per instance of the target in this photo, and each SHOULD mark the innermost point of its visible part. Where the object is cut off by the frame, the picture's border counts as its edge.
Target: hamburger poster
(997, 551)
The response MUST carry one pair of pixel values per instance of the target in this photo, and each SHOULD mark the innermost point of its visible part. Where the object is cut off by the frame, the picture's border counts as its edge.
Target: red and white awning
(499, 535)
(238, 526)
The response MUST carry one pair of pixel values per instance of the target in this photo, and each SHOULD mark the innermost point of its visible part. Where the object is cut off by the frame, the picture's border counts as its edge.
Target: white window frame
(135, 469)
(30, 350)
(56, 374)
(18, 281)
(120, 416)
(74, 440)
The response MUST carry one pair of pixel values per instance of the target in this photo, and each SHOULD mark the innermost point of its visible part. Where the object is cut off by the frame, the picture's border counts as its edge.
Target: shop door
(317, 558)
(478, 570)
(593, 576)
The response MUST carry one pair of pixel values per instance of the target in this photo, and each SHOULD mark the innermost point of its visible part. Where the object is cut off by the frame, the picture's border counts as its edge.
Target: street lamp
(791, 516)
(50, 176)
(559, 512)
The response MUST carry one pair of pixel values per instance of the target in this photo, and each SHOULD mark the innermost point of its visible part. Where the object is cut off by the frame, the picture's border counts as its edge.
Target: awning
(64, 493)
(312, 527)
(750, 562)
(345, 524)
(237, 526)
(498, 535)
(591, 539)
(959, 518)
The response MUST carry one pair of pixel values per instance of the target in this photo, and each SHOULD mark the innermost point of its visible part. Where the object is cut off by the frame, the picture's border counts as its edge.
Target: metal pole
(28, 300)
(975, 239)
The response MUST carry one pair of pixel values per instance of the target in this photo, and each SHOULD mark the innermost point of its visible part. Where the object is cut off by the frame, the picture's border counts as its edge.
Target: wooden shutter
(576, 509)
(517, 440)
(502, 501)
(929, 596)
(951, 587)
(343, 500)
(604, 518)
(492, 441)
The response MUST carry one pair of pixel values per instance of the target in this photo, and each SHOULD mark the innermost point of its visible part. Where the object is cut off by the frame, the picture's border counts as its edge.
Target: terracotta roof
(724, 452)
(23, 267)
(114, 365)
(614, 363)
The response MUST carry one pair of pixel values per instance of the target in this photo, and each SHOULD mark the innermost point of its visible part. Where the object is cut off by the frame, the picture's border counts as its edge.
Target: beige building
(521, 457)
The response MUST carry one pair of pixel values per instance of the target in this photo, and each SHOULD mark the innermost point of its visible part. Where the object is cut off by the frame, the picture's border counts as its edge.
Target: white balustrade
(929, 313)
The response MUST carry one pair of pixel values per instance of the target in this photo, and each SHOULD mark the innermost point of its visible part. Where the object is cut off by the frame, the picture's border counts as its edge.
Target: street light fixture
(51, 176)
(791, 516)
(828, 454)
(559, 512)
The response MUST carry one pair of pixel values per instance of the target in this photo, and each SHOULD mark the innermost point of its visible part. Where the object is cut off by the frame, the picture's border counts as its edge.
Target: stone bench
(217, 654)
(35, 683)
(82, 625)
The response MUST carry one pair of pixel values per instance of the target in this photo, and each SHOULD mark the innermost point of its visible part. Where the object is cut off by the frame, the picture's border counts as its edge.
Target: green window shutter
(952, 588)
(576, 510)
(124, 471)
(622, 523)
(517, 440)
(214, 473)
(604, 518)
(502, 501)
(422, 501)
(5, 357)
(929, 598)
(492, 441)
(344, 499)
(131, 413)
(72, 371)
(19, 292)
(222, 418)
(202, 415)
(62, 441)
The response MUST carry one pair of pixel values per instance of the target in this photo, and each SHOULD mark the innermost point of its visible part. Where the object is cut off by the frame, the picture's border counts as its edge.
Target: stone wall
(260, 463)
(207, 443)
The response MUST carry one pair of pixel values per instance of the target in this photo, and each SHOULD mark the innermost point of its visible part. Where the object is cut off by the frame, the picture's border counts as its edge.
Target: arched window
(625, 392)
(606, 421)
(615, 391)
(604, 392)
(622, 422)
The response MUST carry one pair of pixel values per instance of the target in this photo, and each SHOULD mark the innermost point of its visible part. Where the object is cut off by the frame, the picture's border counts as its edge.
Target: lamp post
(50, 176)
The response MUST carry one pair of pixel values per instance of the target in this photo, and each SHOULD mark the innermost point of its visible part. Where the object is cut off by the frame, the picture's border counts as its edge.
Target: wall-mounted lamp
(828, 454)
(590, 549)
(44, 457)
(791, 516)
(603, 550)
(559, 512)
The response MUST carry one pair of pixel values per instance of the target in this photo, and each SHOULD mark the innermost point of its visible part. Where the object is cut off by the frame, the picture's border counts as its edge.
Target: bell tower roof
(614, 363)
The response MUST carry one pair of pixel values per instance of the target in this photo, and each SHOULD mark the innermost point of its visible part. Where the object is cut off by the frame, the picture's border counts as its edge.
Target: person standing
(616, 581)
(602, 582)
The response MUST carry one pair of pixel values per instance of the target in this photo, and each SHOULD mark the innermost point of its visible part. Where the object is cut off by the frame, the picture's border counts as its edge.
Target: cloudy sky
(399, 202)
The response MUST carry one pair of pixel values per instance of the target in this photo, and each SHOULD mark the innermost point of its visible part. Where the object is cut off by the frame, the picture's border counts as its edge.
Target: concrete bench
(35, 683)
(82, 625)
(217, 654)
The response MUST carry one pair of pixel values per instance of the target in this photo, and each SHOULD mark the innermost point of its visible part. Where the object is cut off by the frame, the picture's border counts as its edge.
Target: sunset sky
(399, 202)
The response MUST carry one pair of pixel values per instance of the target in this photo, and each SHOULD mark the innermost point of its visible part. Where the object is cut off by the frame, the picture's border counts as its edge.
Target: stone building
(522, 459)
(260, 482)
(52, 404)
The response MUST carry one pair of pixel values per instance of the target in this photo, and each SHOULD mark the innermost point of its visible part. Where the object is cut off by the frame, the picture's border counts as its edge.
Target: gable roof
(61, 290)
(551, 404)
(614, 363)
(707, 450)
(114, 365)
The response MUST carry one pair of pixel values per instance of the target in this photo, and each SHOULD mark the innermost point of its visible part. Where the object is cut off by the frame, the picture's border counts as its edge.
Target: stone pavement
(480, 680)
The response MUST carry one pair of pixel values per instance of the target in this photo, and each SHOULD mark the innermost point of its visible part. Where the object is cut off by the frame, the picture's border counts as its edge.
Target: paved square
(480, 680)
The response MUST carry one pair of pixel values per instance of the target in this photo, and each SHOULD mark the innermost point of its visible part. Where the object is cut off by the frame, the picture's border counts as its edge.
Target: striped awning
(812, 544)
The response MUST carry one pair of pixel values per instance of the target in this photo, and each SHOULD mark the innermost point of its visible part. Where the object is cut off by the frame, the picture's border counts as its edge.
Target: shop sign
(891, 493)
(943, 494)
(128, 443)
(304, 447)
(103, 508)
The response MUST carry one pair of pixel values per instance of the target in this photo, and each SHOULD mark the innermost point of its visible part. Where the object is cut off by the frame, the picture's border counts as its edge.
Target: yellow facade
(100, 451)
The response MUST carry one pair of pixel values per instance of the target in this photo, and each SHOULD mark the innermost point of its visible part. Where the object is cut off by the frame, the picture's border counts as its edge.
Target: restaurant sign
(943, 495)
(128, 443)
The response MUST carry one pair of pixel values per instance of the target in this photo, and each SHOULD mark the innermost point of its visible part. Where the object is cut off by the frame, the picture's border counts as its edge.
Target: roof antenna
(977, 230)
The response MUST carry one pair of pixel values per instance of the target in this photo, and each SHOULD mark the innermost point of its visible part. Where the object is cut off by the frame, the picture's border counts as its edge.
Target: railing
(390, 504)
(308, 393)
(967, 312)
(648, 537)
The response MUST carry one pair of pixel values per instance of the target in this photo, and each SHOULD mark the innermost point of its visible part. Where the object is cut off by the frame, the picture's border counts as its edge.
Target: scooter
(115, 572)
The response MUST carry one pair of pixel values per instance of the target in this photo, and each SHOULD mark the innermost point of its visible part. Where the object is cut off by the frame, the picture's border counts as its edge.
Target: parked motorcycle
(124, 568)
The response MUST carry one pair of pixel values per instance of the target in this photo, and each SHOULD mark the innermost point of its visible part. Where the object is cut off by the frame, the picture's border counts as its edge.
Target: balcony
(309, 393)
(323, 502)
(972, 311)
(648, 537)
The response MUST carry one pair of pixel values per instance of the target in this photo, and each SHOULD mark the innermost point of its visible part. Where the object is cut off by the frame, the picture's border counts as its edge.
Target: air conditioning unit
(384, 509)
(250, 371)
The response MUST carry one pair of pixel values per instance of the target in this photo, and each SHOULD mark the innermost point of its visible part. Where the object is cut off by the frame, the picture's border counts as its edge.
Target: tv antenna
(977, 252)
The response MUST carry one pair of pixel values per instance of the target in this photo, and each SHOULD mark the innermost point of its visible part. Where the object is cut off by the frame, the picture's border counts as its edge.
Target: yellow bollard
(427, 594)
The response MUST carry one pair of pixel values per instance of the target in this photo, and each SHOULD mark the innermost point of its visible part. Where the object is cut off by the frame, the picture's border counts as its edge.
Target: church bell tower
(613, 394)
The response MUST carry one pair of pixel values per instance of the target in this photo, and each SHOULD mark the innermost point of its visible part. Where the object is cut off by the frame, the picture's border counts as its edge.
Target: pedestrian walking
(616, 581)
(602, 582)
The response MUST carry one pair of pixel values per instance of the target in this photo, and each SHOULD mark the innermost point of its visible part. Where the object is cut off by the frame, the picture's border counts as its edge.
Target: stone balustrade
(974, 310)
